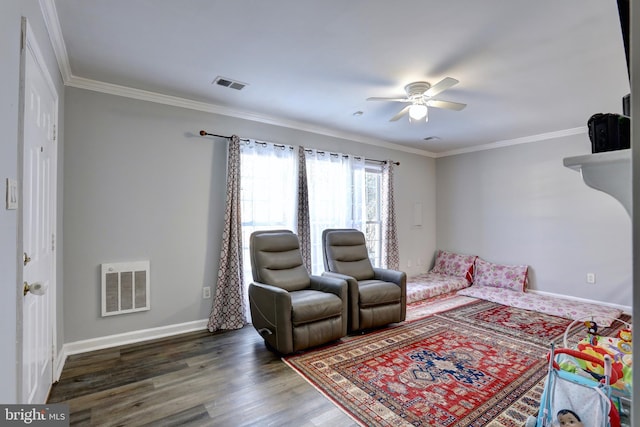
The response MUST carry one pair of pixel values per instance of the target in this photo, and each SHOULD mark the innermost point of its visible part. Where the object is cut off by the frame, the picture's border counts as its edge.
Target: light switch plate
(12, 194)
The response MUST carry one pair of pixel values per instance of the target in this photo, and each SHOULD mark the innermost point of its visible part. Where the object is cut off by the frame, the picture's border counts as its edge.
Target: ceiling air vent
(233, 84)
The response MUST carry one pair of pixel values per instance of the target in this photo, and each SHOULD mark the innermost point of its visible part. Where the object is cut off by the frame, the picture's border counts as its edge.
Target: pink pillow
(512, 277)
(454, 264)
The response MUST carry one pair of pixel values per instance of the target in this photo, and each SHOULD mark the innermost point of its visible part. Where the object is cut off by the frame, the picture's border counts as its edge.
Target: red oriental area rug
(430, 372)
(478, 364)
(523, 324)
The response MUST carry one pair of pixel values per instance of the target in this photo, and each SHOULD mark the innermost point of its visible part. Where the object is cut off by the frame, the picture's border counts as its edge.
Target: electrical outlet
(206, 292)
(409, 263)
(591, 278)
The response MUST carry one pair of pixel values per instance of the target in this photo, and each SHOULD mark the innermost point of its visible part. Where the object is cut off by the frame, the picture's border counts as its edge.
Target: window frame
(375, 253)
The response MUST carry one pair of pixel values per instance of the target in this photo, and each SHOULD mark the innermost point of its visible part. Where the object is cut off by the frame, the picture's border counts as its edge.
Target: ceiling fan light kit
(420, 96)
(418, 112)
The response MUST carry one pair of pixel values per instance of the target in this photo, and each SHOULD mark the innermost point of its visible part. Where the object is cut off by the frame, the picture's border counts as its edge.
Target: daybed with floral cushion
(472, 276)
(450, 272)
(506, 285)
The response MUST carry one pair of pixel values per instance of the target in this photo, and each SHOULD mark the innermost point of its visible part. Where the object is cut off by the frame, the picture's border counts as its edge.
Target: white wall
(140, 185)
(11, 13)
(520, 205)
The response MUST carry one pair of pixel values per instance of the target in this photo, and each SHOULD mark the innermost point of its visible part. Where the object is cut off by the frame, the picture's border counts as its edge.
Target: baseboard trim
(625, 308)
(141, 335)
(61, 357)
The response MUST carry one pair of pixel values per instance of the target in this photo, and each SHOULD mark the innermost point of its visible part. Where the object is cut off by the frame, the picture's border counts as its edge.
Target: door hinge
(54, 132)
(53, 242)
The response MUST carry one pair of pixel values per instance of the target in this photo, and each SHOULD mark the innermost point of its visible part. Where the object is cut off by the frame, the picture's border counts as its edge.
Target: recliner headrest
(345, 251)
(276, 260)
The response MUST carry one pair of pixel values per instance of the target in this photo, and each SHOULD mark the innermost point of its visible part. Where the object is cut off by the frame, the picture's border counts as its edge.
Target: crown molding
(516, 141)
(52, 23)
(144, 95)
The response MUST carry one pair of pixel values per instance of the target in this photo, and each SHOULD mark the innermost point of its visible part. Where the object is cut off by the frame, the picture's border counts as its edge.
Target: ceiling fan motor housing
(416, 89)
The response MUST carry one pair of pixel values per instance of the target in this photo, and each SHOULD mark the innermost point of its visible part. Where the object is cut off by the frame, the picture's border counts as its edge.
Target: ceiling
(525, 68)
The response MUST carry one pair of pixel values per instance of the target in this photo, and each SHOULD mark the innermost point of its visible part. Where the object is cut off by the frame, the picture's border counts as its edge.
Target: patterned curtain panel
(229, 306)
(336, 196)
(303, 223)
(390, 253)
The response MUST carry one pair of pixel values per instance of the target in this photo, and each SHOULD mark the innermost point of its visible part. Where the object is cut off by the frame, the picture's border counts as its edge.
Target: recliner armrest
(352, 300)
(400, 279)
(271, 315)
(337, 286)
(270, 290)
(333, 285)
(350, 280)
(273, 303)
(394, 276)
(336, 275)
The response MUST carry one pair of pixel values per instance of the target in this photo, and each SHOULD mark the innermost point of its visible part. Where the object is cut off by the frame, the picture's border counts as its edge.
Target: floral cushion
(453, 264)
(512, 277)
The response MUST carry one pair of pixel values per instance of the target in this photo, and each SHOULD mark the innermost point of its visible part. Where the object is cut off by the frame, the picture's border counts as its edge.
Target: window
(336, 196)
(373, 219)
(267, 193)
(344, 192)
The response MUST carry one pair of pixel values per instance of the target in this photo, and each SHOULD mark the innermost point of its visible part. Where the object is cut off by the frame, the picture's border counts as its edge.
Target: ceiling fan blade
(375, 98)
(446, 104)
(402, 112)
(443, 84)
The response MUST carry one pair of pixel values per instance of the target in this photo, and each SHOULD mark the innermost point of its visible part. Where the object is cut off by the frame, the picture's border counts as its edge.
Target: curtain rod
(309, 150)
(205, 133)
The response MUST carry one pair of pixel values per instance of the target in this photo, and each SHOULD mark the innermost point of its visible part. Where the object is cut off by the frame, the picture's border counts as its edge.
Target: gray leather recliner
(377, 296)
(290, 309)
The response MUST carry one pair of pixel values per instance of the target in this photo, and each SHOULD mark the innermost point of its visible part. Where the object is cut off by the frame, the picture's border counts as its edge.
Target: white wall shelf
(609, 172)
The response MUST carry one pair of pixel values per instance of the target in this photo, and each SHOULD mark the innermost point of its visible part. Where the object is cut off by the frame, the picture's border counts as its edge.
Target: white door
(40, 108)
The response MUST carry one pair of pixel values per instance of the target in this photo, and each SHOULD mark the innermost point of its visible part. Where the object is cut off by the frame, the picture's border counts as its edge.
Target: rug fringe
(332, 400)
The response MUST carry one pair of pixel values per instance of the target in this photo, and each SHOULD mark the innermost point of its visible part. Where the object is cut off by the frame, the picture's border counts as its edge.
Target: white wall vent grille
(125, 287)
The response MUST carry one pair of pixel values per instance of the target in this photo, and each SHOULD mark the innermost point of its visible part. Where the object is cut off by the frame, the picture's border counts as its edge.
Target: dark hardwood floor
(199, 379)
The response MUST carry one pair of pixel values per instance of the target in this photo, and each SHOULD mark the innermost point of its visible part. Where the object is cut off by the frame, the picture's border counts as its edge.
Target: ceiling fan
(420, 96)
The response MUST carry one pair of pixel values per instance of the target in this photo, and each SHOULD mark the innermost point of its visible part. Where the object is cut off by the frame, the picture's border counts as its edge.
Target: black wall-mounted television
(623, 12)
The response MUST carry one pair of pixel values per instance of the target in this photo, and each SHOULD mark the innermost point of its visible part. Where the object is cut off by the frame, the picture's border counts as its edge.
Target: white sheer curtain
(336, 196)
(268, 192)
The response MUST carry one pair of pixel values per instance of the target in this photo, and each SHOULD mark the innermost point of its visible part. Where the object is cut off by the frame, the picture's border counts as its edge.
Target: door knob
(35, 288)
(26, 258)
